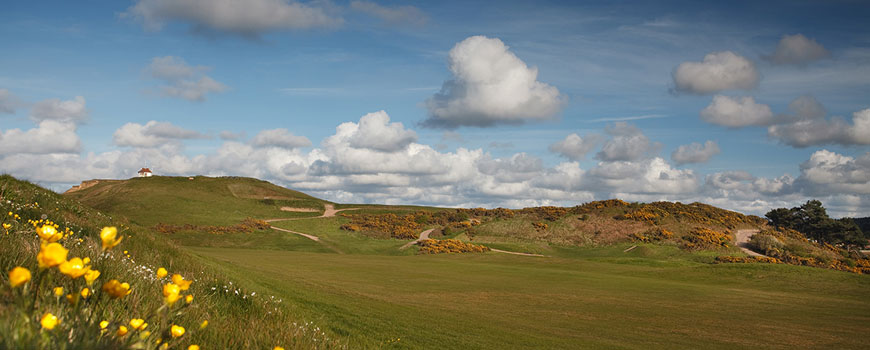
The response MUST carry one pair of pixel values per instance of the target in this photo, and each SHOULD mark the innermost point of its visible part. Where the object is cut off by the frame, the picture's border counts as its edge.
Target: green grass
(202, 201)
(602, 301)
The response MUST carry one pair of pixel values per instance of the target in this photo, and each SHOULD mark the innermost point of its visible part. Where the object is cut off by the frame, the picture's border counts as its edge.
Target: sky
(746, 105)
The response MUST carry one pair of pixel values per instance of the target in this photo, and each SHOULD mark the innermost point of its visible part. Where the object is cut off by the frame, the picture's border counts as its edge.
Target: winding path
(328, 212)
(741, 240)
(515, 253)
(423, 236)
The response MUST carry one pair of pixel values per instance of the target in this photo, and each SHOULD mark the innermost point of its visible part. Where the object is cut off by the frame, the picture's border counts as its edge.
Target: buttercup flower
(171, 293)
(85, 293)
(116, 289)
(203, 324)
(161, 272)
(188, 299)
(51, 255)
(74, 268)
(109, 236)
(176, 331)
(58, 291)
(19, 276)
(138, 323)
(48, 233)
(90, 276)
(193, 347)
(177, 279)
(122, 331)
(104, 324)
(49, 321)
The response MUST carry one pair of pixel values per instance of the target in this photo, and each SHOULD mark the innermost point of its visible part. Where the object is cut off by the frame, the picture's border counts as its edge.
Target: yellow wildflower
(48, 233)
(51, 255)
(90, 276)
(176, 331)
(144, 334)
(74, 268)
(86, 260)
(278, 348)
(71, 299)
(104, 324)
(177, 279)
(188, 298)
(85, 293)
(116, 289)
(49, 321)
(58, 291)
(138, 323)
(171, 293)
(193, 347)
(161, 272)
(122, 331)
(19, 276)
(203, 324)
(109, 236)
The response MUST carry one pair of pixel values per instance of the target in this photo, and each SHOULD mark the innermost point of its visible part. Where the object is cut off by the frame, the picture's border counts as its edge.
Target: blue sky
(773, 94)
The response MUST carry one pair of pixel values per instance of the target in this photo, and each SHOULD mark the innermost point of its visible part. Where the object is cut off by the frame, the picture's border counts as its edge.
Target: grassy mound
(200, 201)
(51, 309)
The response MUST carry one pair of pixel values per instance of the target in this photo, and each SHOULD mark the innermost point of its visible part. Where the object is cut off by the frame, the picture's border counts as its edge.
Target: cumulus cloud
(575, 147)
(249, 18)
(627, 143)
(797, 49)
(50, 136)
(152, 134)
(182, 80)
(718, 71)
(808, 126)
(829, 172)
(375, 131)
(737, 112)
(391, 15)
(8, 102)
(695, 152)
(279, 138)
(490, 86)
(648, 176)
(54, 109)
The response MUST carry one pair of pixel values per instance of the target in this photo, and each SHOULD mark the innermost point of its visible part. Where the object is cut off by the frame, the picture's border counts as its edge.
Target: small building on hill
(145, 172)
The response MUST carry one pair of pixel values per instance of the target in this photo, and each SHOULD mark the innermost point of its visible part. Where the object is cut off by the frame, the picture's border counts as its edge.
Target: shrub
(652, 235)
(765, 243)
(432, 246)
(704, 238)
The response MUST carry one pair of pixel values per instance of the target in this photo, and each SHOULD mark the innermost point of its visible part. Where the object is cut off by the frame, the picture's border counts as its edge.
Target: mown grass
(202, 201)
(601, 301)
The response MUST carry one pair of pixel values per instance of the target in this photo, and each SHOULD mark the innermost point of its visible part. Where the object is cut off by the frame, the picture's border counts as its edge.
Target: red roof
(144, 170)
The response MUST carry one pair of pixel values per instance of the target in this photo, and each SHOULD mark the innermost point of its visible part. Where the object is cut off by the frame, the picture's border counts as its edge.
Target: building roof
(144, 170)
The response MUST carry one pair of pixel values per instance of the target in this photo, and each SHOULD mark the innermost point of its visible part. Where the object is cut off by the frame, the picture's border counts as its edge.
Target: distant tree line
(812, 220)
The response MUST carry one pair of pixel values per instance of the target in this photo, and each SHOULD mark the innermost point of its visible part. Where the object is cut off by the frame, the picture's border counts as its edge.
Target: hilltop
(196, 200)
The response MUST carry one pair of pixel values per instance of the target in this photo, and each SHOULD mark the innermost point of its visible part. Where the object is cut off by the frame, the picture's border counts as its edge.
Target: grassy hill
(199, 201)
(606, 281)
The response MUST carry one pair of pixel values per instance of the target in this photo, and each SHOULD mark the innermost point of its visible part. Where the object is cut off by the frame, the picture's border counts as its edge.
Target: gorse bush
(433, 246)
(704, 238)
(247, 226)
(766, 243)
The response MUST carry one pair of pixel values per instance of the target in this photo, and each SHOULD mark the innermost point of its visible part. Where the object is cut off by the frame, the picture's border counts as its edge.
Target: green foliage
(812, 219)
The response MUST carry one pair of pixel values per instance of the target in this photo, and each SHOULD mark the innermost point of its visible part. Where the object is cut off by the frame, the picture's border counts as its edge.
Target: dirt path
(328, 212)
(741, 240)
(515, 253)
(423, 236)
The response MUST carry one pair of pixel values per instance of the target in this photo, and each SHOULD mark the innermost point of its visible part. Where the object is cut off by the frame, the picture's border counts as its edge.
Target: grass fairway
(598, 301)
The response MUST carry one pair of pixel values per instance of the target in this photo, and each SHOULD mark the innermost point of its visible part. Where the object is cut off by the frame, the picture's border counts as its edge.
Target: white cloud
(648, 176)
(490, 86)
(807, 126)
(8, 102)
(575, 147)
(279, 138)
(798, 49)
(627, 143)
(152, 134)
(719, 71)
(375, 131)
(392, 15)
(54, 109)
(248, 18)
(737, 112)
(182, 80)
(50, 136)
(695, 152)
(829, 172)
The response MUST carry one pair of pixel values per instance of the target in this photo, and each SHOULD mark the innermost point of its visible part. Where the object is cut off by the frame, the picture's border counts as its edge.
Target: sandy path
(515, 253)
(328, 212)
(423, 236)
(742, 241)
